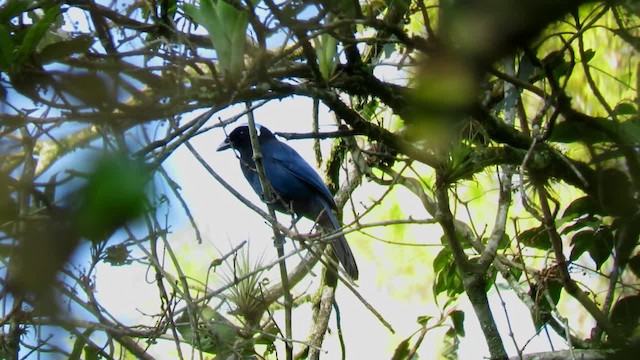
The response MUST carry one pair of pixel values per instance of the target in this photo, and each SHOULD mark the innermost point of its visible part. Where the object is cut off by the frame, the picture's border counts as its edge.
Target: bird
(296, 185)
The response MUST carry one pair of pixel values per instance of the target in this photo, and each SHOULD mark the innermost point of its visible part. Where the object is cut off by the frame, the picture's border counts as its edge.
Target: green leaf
(267, 337)
(424, 319)
(537, 238)
(50, 188)
(588, 55)
(326, 52)
(79, 344)
(516, 273)
(602, 246)
(448, 279)
(6, 49)
(588, 222)
(630, 130)
(504, 242)
(451, 333)
(454, 285)
(626, 314)
(235, 29)
(562, 69)
(491, 276)
(581, 241)
(457, 316)
(625, 108)
(90, 88)
(402, 350)
(227, 30)
(214, 334)
(442, 260)
(114, 194)
(369, 109)
(90, 353)
(626, 239)
(63, 49)
(581, 206)
(440, 284)
(11, 9)
(570, 131)
(35, 34)
(555, 290)
(616, 192)
(634, 265)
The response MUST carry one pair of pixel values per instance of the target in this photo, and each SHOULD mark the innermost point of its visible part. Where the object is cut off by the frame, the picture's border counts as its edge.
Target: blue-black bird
(297, 187)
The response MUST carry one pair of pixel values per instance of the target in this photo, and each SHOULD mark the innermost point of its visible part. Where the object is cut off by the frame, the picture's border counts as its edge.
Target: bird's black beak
(226, 144)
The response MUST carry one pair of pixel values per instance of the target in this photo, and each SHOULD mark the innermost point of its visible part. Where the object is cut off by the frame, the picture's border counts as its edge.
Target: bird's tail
(340, 246)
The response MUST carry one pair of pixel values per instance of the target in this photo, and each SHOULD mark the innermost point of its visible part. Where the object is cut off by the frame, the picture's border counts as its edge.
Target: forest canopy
(476, 151)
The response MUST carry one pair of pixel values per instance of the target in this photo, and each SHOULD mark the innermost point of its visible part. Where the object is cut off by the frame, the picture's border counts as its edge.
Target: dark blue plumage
(297, 187)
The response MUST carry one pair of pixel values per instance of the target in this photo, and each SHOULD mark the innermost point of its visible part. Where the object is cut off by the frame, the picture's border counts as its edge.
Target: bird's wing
(293, 163)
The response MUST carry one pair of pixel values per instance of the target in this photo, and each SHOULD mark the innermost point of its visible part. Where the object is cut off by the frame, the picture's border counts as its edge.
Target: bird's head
(239, 137)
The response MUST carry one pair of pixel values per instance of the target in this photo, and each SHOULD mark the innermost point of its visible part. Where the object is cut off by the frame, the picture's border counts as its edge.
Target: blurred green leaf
(227, 29)
(268, 337)
(536, 237)
(46, 244)
(587, 222)
(457, 316)
(35, 34)
(504, 242)
(516, 273)
(12, 8)
(569, 132)
(8, 206)
(588, 55)
(491, 276)
(79, 344)
(6, 49)
(625, 108)
(369, 109)
(402, 350)
(616, 192)
(454, 285)
(580, 207)
(625, 314)
(63, 49)
(626, 238)
(114, 194)
(440, 284)
(215, 334)
(602, 246)
(327, 54)
(634, 264)
(90, 353)
(90, 88)
(630, 130)
(562, 69)
(447, 277)
(581, 241)
(555, 290)
(424, 319)
(442, 260)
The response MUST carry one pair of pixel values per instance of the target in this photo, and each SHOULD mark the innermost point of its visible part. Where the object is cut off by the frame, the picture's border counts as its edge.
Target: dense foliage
(522, 115)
